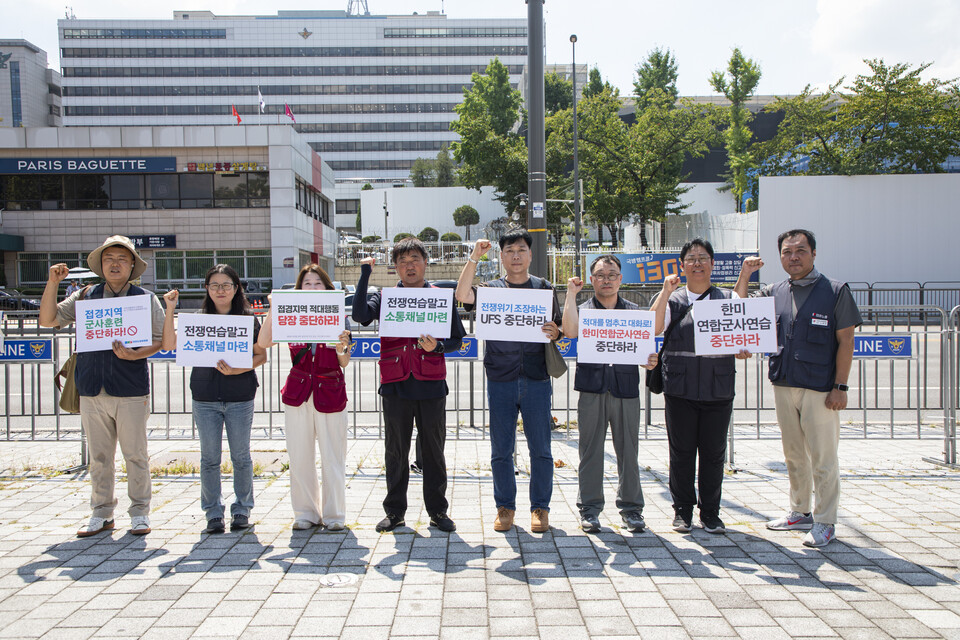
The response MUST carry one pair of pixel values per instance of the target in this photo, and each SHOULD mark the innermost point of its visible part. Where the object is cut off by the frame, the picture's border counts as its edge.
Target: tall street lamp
(576, 167)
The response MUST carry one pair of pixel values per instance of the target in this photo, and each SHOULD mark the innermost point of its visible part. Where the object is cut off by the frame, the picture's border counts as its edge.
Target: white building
(29, 91)
(412, 210)
(370, 93)
(257, 198)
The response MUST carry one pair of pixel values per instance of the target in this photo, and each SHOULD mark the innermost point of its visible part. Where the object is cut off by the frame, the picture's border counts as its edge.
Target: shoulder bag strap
(676, 321)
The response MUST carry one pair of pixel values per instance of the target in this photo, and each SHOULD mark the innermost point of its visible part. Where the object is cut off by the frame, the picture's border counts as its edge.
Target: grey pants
(623, 414)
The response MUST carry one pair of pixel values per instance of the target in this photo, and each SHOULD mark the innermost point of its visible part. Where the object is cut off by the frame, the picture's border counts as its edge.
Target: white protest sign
(204, 339)
(513, 315)
(302, 316)
(723, 327)
(407, 312)
(102, 321)
(615, 336)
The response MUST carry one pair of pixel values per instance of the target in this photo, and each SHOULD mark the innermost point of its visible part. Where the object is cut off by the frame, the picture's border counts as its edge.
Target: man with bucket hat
(114, 385)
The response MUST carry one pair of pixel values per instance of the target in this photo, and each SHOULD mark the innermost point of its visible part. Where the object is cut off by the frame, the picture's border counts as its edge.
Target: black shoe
(239, 521)
(712, 523)
(682, 522)
(415, 468)
(214, 525)
(390, 523)
(443, 522)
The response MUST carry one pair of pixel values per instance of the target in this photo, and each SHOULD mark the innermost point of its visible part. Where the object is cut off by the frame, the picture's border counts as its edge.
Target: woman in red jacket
(314, 402)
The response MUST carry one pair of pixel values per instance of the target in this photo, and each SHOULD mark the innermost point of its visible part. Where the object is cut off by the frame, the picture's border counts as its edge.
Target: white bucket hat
(94, 261)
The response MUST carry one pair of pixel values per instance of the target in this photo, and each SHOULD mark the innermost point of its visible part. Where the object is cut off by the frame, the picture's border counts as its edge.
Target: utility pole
(577, 185)
(536, 140)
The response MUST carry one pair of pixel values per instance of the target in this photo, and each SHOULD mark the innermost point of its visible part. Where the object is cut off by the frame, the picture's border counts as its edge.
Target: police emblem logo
(464, 348)
(37, 348)
(563, 344)
(353, 347)
(896, 344)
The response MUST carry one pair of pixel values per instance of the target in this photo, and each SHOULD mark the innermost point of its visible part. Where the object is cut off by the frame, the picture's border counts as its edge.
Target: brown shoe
(504, 521)
(540, 521)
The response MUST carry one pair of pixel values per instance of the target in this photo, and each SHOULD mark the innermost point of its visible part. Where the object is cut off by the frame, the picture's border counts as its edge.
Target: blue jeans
(238, 418)
(531, 399)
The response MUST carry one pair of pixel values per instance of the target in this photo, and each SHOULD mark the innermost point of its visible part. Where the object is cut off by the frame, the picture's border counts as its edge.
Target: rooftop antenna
(69, 14)
(354, 8)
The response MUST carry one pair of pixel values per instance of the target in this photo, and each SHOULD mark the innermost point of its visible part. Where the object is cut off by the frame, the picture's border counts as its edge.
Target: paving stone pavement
(891, 574)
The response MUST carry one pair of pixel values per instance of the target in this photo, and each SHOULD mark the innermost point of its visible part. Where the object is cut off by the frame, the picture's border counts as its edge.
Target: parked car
(13, 302)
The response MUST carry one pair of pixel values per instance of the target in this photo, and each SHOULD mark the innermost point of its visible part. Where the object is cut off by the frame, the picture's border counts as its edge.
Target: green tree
(371, 239)
(489, 151)
(595, 84)
(400, 236)
(658, 71)
(357, 222)
(464, 216)
(451, 236)
(738, 85)
(429, 234)
(890, 121)
(422, 173)
(558, 93)
(444, 169)
(366, 187)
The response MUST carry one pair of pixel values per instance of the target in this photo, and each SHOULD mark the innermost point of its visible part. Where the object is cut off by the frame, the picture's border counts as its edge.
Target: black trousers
(697, 428)
(399, 415)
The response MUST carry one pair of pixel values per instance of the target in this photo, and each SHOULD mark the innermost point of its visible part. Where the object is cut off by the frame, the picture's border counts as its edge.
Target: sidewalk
(891, 574)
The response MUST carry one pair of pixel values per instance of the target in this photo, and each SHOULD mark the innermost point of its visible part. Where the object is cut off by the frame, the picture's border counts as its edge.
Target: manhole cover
(338, 579)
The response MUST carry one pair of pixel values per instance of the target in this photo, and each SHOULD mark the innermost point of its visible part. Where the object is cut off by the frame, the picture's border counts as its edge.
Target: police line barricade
(893, 379)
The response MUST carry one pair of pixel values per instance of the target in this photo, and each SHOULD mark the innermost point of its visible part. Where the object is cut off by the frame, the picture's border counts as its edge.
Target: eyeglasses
(217, 286)
(605, 277)
(697, 259)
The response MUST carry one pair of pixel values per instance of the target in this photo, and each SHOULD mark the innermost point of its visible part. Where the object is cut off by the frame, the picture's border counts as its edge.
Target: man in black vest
(609, 393)
(114, 386)
(816, 320)
(413, 386)
(517, 384)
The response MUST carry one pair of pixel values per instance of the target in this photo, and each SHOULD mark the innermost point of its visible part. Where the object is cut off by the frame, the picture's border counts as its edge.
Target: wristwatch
(840, 387)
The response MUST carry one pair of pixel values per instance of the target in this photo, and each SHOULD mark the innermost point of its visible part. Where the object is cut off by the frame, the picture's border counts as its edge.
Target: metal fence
(916, 397)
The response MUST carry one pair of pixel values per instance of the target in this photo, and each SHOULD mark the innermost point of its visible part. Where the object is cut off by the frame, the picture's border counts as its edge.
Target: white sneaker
(820, 535)
(793, 521)
(303, 525)
(140, 525)
(334, 526)
(95, 526)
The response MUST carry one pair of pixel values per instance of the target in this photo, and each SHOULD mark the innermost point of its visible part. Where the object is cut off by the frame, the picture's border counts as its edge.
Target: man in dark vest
(413, 386)
(816, 320)
(517, 384)
(609, 393)
(114, 386)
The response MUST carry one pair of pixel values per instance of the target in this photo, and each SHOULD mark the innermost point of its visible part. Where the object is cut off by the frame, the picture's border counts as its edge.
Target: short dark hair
(514, 236)
(317, 269)
(609, 257)
(408, 244)
(696, 242)
(811, 239)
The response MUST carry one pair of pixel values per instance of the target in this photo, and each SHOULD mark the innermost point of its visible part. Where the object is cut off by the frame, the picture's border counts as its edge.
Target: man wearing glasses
(609, 393)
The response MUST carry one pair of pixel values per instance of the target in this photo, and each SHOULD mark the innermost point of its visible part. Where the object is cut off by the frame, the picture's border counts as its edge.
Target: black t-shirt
(209, 385)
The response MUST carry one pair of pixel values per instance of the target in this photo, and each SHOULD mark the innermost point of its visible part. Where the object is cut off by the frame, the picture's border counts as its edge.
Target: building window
(17, 101)
(185, 270)
(33, 269)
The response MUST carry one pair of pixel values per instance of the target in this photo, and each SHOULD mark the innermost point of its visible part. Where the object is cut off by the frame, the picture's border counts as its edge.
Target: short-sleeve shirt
(845, 311)
(67, 310)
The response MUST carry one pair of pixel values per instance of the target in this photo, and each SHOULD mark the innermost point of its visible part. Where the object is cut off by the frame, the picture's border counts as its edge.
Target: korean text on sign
(611, 336)
(407, 312)
(204, 339)
(103, 321)
(300, 316)
(730, 326)
(513, 315)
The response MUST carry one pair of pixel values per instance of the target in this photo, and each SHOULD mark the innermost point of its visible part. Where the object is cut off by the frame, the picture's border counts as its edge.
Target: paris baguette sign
(22, 166)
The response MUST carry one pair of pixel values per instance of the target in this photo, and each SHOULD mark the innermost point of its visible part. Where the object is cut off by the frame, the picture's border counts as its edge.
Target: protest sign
(730, 326)
(102, 321)
(301, 316)
(408, 312)
(652, 268)
(513, 315)
(204, 339)
(612, 336)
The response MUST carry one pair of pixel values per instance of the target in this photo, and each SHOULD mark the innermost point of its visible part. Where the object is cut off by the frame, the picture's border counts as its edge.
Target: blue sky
(796, 43)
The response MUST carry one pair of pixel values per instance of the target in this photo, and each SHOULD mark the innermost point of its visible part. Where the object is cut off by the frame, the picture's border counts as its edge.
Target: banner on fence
(35, 350)
(205, 339)
(652, 268)
(369, 348)
(883, 346)
(513, 315)
(103, 321)
(724, 327)
(612, 336)
(301, 316)
(407, 312)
